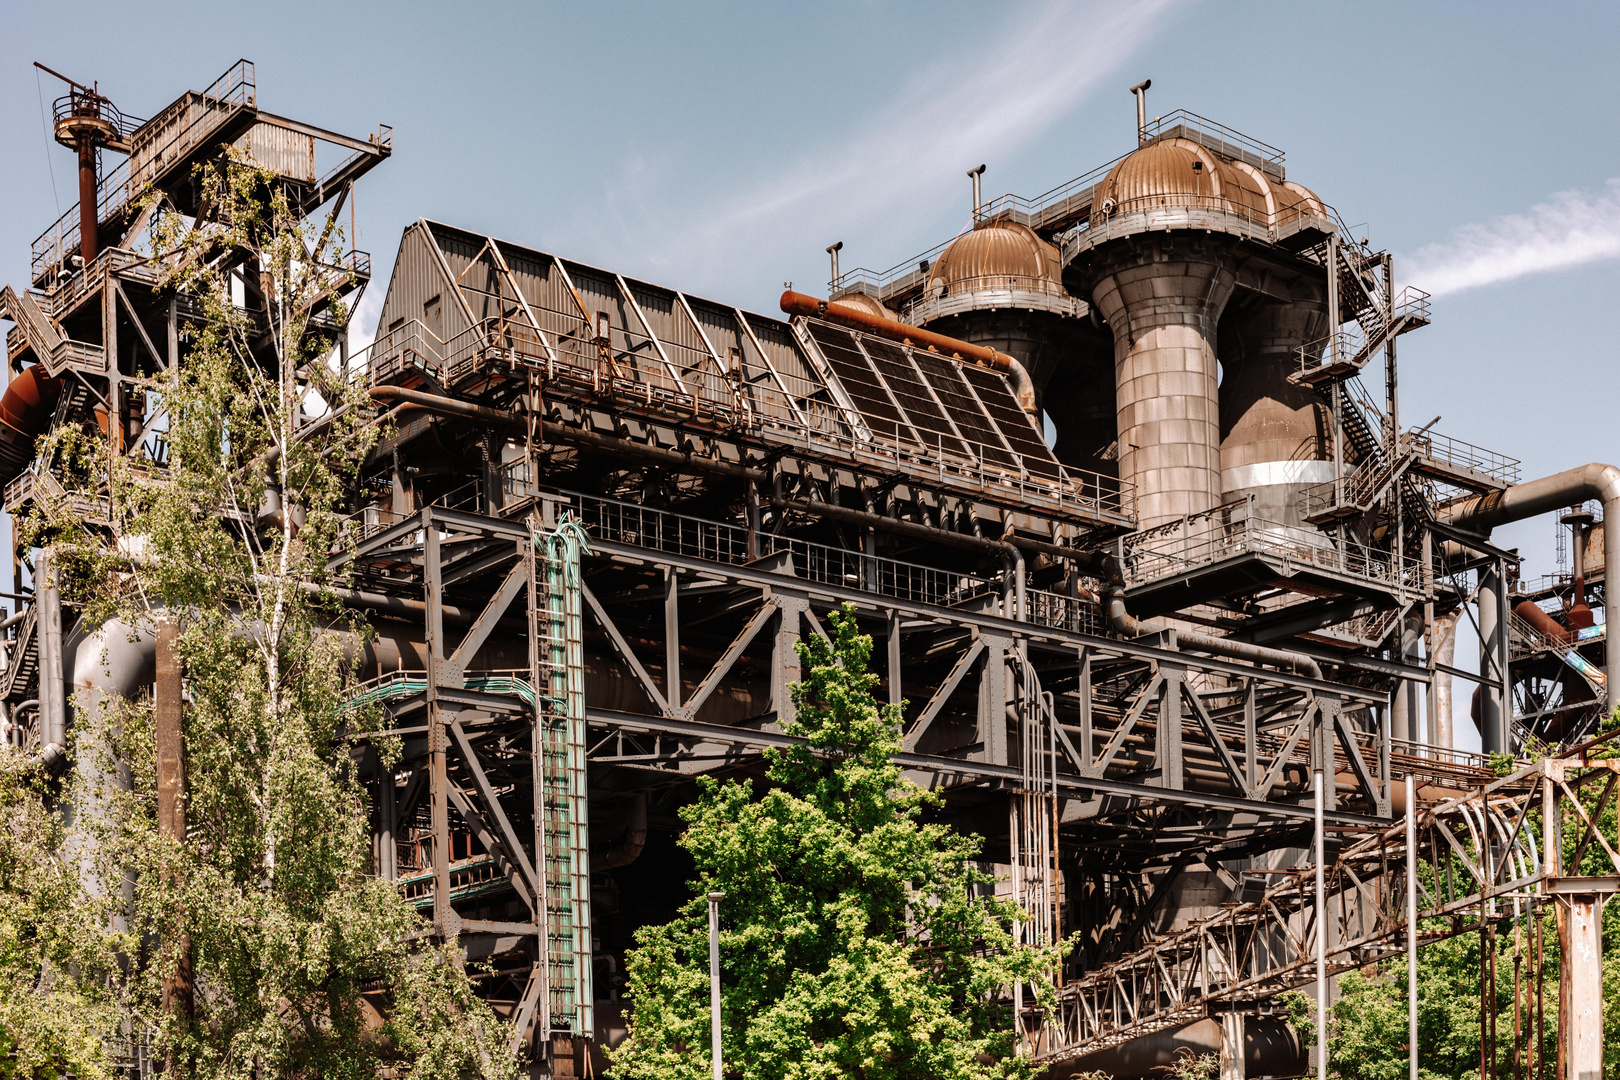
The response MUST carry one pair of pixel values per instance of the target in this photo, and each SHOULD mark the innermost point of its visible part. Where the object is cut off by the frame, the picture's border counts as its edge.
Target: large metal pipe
(25, 413)
(1482, 513)
(1023, 387)
(444, 406)
(52, 697)
(88, 224)
(1162, 297)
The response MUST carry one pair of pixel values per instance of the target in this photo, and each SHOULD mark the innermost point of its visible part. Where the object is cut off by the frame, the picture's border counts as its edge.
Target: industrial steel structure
(606, 510)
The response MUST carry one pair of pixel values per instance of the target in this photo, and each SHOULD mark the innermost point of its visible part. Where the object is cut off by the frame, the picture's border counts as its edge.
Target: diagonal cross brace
(486, 792)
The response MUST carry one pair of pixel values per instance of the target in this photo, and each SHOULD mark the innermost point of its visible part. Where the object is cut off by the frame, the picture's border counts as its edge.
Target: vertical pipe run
(87, 201)
(1321, 941)
(1492, 661)
(714, 980)
(438, 774)
(1140, 91)
(1411, 929)
(672, 638)
(171, 808)
(52, 692)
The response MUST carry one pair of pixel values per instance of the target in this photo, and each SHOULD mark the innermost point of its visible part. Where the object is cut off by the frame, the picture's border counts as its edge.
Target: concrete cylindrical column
(1163, 299)
(1274, 434)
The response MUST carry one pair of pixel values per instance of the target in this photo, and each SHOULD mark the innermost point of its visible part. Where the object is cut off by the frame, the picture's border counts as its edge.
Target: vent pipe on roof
(833, 250)
(974, 174)
(1140, 90)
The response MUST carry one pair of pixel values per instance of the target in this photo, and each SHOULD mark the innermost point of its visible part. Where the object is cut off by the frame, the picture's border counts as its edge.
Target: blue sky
(720, 147)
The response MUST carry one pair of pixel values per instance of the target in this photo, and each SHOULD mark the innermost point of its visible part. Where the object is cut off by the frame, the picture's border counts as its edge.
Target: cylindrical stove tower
(1174, 230)
(1162, 299)
(1275, 434)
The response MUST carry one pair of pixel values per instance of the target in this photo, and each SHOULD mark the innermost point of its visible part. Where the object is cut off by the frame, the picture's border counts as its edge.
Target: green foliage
(54, 951)
(1190, 1066)
(1301, 1014)
(305, 965)
(856, 938)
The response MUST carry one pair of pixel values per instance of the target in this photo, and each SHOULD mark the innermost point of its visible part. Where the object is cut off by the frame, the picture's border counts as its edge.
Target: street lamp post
(714, 980)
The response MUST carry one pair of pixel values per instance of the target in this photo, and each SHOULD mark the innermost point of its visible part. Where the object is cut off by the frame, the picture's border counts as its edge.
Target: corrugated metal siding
(170, 133)
(418, 278)
(281, 150)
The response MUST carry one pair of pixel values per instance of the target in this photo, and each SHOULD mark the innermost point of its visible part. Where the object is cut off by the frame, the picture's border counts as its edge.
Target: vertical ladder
(562, 827)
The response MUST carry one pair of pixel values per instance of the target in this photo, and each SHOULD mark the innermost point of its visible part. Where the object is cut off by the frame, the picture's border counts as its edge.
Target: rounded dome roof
(869, 304)
(1176, 169)
(998, 249)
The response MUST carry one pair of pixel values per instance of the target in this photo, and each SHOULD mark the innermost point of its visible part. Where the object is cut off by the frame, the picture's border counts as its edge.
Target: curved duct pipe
(627, 848)
(1023, 387)
(1008, 549)
(1542, 623)
(1482, 513)
(25, 413)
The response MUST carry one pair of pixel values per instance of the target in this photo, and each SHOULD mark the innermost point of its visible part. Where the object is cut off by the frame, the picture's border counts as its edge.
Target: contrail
(1570, 229)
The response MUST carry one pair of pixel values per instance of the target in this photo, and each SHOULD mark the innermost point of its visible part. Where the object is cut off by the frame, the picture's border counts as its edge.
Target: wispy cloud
(1570, 229)
(882, 174)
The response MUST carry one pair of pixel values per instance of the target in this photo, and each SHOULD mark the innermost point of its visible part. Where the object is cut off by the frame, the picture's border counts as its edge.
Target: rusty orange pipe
(797, 303)
(1542, 623)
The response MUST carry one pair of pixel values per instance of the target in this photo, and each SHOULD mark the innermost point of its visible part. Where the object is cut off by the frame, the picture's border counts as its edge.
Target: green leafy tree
(858, 940)
(55, 943)
(304, 964)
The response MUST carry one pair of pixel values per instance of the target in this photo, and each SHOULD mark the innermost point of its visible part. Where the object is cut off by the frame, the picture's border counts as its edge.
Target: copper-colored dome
(1180, 172)
(1001, 252)
(869, 304)
(1167, 167)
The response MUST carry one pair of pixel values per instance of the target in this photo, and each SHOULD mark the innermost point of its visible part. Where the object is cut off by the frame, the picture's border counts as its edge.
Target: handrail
(621, 372)
(232, 91)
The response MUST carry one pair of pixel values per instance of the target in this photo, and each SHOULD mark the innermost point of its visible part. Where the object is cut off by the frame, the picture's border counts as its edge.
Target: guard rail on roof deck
(1042, 212)
(992, 290)
(1214, 213)
(1231, 530)
(1464, 455)
(721, 542)
(191, 126)
(782, 407)
(1228, 142)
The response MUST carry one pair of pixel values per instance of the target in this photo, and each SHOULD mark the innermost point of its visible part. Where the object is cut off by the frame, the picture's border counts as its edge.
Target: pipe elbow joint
(54, 758)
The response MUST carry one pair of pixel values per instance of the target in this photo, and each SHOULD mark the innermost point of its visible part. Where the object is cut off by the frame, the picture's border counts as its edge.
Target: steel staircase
(37, 332)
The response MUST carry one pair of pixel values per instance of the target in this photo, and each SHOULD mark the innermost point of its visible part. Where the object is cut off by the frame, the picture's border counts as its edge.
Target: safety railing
(1127, 217)
(1525, 640)
(1232, 530)
(669, 378)
(155, 144)
(941, 298)
(1464, 455)
(1412, 303)
(79, 104)
(720, 542)
(1228, 142)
